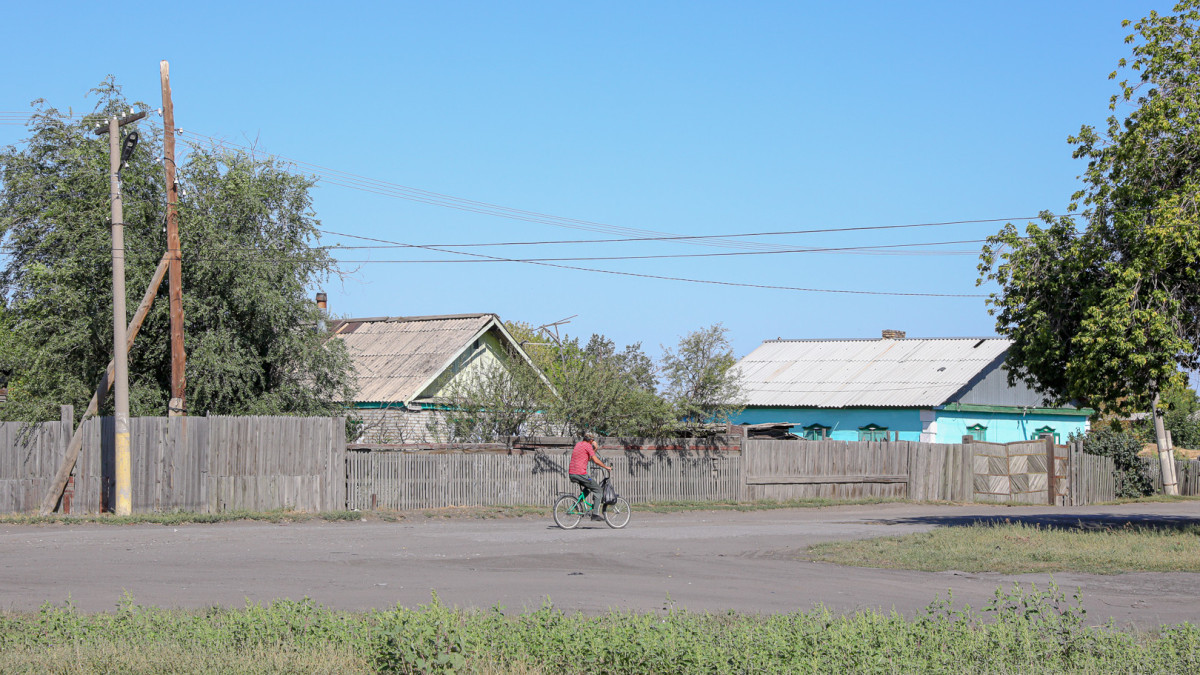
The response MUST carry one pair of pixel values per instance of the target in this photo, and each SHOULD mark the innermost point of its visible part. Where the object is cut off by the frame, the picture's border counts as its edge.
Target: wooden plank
(822, 479)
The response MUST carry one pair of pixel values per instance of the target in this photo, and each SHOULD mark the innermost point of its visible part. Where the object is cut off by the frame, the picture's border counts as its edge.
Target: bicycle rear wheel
(566, 513)
(617, 515)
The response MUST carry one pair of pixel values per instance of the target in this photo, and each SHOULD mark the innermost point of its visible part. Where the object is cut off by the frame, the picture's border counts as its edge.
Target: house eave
(1017, 410)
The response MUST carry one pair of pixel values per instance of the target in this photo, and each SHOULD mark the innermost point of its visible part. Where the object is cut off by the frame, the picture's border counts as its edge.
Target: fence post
(1051, 482)
(1073, 468)
(968, 470)
(66, 416)
(910, 460)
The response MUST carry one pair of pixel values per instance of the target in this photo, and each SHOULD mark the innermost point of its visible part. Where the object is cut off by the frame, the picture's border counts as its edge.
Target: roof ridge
(883, 339)
(426, 317)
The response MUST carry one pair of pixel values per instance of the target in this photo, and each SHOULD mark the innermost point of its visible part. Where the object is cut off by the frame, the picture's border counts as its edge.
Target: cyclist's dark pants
(593, 489)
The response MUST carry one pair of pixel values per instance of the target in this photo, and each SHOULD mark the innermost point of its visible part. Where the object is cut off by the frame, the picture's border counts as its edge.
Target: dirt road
(700, 561)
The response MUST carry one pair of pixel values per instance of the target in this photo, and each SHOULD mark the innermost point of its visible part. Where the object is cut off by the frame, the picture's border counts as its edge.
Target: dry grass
(1019, 548)
(444, 513)
(178, 518)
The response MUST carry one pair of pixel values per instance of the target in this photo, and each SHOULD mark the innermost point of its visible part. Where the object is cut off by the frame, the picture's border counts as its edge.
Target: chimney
(321, 307)
(889, 334)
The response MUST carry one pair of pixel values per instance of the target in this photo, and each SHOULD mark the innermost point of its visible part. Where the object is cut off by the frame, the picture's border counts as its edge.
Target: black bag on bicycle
(608, 492)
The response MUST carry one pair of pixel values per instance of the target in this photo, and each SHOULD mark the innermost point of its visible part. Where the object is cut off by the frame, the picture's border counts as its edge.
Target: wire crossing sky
(672, 165)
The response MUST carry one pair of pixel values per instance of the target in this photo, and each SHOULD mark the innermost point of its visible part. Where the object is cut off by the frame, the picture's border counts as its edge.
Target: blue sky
(694, 118)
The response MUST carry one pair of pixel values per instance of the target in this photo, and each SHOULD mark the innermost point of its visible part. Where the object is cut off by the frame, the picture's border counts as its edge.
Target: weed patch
(1018, 548)
(180, 518)
(1020, 630)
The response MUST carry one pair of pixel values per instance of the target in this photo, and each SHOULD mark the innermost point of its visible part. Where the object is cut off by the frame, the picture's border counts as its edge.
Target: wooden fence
(851, 470)
(407, 480)
(29, 456)
(203, 464)
(1092, 478)
(1187, 475)
(221, 463)
(1027, 472)
(762, 469)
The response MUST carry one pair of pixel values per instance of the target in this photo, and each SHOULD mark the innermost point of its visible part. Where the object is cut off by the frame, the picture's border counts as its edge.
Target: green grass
(1022, 630)
(1017, 548)
(1156, 499)
(450, 512)
(180, 518)
(477, 512)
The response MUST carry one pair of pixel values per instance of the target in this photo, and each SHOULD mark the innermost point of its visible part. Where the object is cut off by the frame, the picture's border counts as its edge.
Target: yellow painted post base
(124, 475)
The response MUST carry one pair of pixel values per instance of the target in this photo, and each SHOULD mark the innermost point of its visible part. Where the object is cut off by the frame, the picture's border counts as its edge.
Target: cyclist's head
(589, 436)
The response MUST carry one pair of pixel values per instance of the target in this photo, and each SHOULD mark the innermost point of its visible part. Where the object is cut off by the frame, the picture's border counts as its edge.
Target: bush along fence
(214, 464)
(200, 464)
(1187, 474)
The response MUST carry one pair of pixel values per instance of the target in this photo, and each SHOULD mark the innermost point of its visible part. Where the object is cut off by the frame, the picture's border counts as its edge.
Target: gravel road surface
(713, 561)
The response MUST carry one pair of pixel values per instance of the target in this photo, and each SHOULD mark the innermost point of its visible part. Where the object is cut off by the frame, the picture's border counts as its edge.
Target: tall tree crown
(246, 227)
(1103, 306)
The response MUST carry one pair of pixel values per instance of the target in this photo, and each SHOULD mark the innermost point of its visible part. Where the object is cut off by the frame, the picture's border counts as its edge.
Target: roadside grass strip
(443, 513)
(1019, 548)
(1020, 630)
(179, 517)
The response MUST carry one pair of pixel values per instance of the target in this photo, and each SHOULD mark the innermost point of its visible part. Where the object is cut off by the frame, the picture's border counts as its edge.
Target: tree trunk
(1166, 458)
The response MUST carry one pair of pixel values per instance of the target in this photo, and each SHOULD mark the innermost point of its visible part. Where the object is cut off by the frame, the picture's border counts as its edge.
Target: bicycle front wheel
(566, 513)
(617, 515)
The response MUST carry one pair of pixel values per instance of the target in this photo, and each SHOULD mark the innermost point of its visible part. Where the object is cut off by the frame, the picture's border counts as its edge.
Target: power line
(675, 255)
(385, 188)
(684, 237)
(376, 186)
(356, 181)
(669, 278)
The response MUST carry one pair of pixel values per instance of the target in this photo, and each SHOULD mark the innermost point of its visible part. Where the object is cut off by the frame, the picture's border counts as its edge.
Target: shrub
(1123, 447)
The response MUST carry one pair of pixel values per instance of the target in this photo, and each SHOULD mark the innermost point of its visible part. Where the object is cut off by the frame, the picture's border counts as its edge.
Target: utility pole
(1166, 456)
(116, 154)
(178, 356)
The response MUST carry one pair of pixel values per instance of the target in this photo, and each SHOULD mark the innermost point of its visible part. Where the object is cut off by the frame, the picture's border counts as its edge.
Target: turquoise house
(935, 390)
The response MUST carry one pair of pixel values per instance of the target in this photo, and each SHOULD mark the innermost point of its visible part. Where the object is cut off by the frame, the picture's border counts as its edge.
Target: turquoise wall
(951, 425)
(1005, 427)
(844, 421)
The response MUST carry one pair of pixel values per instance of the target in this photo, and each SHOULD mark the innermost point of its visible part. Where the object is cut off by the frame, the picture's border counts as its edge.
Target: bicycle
(569, 509)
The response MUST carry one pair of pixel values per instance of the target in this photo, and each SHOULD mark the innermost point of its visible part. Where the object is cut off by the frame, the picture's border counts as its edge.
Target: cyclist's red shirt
(579, 458)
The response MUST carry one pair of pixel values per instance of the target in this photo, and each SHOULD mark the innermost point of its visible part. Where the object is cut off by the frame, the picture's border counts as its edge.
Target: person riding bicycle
(584, 452)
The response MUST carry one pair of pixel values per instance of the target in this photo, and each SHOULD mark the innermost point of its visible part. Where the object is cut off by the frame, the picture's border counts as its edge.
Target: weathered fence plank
(220, 463)
(202, 464)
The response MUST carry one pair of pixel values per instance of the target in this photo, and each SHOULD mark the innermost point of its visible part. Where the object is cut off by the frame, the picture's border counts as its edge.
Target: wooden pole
(178, 355)
(1166, 458)
(76, 444)
(1051, 474)
(120, 355)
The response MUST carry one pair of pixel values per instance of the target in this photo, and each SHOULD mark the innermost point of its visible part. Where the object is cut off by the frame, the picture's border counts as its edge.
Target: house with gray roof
(915, 389)
(406, 364)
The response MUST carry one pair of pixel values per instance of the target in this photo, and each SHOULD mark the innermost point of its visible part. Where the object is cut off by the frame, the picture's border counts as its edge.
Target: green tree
(1106, 310)
(602, 390)
(246, 225)
(701, 382)
(1180, 417)
(493, 402)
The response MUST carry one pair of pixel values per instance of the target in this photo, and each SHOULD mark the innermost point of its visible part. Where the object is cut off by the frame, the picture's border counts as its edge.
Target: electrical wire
(872, 249)
(664, 256)
(360, 182)
(385, 188)
(670, 278)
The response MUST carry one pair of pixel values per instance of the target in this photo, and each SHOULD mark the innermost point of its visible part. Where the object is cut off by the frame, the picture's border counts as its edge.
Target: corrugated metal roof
(911, 372)
(397, 356)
